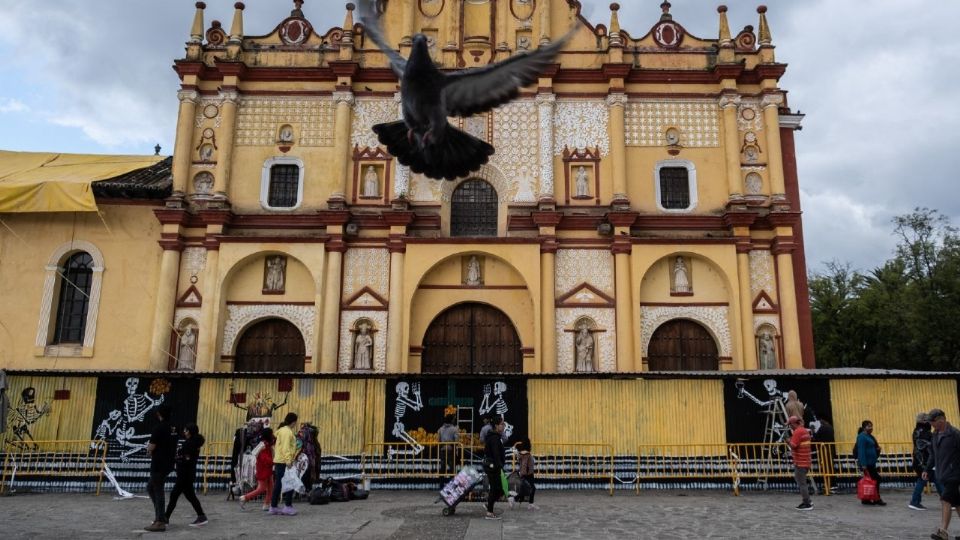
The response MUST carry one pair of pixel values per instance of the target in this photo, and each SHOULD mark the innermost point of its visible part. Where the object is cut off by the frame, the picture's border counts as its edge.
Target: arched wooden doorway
(471, 338)
(270, 345)
(682, 345)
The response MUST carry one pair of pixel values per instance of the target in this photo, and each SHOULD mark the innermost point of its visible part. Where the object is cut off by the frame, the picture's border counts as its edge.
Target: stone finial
(616, 40)
(236, 29)
(297, 9)
(725, 39)
(196, 30)
(764, 30)
(347, 38)
(665, 16)
(348, 19)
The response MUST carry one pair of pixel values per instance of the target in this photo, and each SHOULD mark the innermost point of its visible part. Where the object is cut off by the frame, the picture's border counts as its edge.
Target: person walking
(868, 452)
(946, 465)
(448, 435)
(493, 465)
(922, 454)
(162, 449)
(284, 452)
(186, 462)
(800, 447)
(264, 472)
(527, 469)
(309, 442)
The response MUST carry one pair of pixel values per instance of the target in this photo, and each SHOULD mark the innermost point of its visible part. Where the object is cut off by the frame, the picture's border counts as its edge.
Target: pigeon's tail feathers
(454, 155)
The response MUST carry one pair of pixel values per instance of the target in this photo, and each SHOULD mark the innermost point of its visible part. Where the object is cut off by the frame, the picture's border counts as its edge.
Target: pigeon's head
(421, 43)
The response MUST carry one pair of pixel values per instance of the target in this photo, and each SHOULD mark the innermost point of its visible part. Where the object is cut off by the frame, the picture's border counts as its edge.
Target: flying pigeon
(424, 140)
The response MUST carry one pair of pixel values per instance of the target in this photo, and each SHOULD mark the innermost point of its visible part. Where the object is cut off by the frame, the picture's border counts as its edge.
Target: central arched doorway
(682, 345)
(472, 338)
(270, 345)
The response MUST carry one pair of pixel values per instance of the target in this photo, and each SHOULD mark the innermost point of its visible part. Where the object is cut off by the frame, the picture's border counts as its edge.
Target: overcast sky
(877, 80)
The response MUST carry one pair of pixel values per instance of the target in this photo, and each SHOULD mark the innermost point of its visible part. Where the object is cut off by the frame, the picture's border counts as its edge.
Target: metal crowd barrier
(694, 462)
(53, 460)
(839, 463)
(405, 460)
(572, 462)
(216, 462)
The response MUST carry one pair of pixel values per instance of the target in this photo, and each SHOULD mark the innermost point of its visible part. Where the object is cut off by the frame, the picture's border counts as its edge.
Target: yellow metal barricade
(764, 462)
(54, 461)
(216, 462)
(694, 462)
(840, 463)
(404, 460)
(572, 461)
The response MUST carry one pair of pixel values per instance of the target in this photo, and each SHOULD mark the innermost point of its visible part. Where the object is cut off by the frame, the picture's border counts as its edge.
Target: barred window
(284, 186)
(473, 211)
(76, 277)
(674, 188)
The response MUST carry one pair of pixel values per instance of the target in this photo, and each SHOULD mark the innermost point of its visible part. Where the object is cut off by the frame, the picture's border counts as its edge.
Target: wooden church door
(270, 345)
(472, 338)
(682, 345)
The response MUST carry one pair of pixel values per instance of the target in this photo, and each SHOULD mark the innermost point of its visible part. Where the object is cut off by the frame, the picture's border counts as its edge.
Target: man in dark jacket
(946, 465)
(922, 454)
(493, 465)
(163, 450)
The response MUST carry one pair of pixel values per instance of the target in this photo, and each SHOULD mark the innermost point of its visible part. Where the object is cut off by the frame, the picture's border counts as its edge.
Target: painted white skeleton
(26, 414)
(774, 406)
(399, 411)
(499, 405)
(136, 406)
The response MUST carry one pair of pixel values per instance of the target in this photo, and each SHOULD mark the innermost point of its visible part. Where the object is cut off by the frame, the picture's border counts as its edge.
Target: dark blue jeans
(921, 483)
(278, 470)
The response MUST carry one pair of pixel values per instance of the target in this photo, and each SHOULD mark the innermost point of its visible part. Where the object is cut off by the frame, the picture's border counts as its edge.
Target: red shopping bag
(867, 489)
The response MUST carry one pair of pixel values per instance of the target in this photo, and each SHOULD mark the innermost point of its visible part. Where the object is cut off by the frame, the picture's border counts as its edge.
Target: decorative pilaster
(748, 348)
(617, 102)
(221, 182)
(545, 25)
(342, 153)
(771, 119)
(401, 187)
(545, 107)
(731, 144)
(207, 334)
(184, 143)
(330, 322)
(395, 313)
(787, 297)
(163, 309)
(548, 309)
(621, 249)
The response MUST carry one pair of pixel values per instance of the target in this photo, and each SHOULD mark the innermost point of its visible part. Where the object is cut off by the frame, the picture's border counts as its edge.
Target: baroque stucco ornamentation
(576, 266)
(347, 322)
(401, 184)
(258, 118)
(581, 124)
(605, 351)
(366, 113)
(698, 121)
(761, 320)
(203, 109)
(241, 316)
(489, 172)
(194, 260)
(545, 107)
(516, 143)
(761, 272)
(366, 267)
(748, 115)
(715, 318)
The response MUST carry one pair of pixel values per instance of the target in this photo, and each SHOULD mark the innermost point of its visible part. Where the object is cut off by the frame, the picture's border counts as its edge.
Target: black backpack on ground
(340, 491)
(320, 495)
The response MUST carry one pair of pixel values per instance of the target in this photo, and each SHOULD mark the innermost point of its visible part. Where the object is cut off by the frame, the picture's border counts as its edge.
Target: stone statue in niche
(523, 43)
(363, 347)
(206, 152)
(187, 350)
(582, 182)
(371, 182)
(681, 280)
(286, 134)
(203, 183)
(585, 346)
(473, 272)
(768, 351)
(276, 274)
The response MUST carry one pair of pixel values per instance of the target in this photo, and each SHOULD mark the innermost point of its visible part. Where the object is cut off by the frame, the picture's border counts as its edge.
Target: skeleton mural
(24, 415)
(399, 410)
(776, 429)
(262, 407)
(119, 423)
(499, 405)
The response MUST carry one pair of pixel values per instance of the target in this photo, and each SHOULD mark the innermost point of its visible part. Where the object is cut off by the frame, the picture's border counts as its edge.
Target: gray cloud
(874, 79)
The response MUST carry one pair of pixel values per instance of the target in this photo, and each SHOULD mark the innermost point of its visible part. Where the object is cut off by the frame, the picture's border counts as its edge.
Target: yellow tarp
(51, 182)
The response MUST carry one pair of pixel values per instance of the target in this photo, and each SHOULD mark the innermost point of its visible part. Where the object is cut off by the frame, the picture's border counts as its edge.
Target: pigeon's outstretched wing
(371, 26)
(478, 90)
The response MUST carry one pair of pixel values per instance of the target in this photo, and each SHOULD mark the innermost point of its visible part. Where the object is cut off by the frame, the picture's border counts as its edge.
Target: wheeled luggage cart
(462, 485)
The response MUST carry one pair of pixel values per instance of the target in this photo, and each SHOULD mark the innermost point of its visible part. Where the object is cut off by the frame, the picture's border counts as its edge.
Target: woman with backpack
(264, 472)
(187, 457)
(867, 451)
(527, 468)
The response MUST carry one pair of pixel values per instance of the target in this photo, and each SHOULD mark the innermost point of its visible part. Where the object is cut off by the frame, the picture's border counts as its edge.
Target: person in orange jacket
(800, 446)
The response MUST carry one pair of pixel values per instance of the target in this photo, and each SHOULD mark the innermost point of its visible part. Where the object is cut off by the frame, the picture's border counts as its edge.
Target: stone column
(787, 296)
(395, 354)
(771, 121)
(731, 143)
(330, 325)
(545, 24)
(209, 327)
(401, 185)
(749, 354)
(624, 311)
(548, 309)
(164, 305)
(183, 147)
(341, 146)
(618, 146)
(545, 109)
(228, 121)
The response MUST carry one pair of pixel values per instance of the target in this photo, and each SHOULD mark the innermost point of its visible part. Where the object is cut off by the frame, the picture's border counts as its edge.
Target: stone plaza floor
(413, 515)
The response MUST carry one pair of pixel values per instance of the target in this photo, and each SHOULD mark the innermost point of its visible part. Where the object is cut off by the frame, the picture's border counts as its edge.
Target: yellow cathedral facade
(641, 212)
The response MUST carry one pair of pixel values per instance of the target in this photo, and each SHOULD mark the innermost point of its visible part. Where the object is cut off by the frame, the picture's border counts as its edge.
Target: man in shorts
(946, 465)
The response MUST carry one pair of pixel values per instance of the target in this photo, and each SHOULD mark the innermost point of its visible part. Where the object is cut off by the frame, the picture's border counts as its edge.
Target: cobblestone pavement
(411, 515)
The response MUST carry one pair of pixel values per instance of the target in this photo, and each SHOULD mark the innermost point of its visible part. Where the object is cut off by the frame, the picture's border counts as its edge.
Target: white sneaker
(532, 506)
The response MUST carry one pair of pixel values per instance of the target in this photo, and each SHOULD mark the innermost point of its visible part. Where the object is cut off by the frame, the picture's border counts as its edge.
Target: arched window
(76, 279)
(473, 210)
(281, 183)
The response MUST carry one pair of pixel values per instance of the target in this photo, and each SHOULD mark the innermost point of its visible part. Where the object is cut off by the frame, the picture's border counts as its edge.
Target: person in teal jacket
(867, 452)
